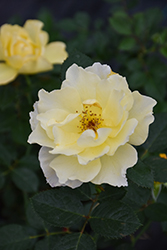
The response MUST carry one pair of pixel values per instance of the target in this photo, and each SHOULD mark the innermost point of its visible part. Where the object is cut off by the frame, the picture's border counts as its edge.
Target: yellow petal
(1, 51)
(33, 27)
(113, 168)
(88, 137)
(92, 153)
(15, 62)
(122, 137)
(7, 74)
(36, 66)
(68, 167)
(45, 159)
(39, 136)
(55, 52)
(101, 70)
(66, 143)
(67, 99)
(113, 112)
(84, 82)
(142, 112)
(44, 37)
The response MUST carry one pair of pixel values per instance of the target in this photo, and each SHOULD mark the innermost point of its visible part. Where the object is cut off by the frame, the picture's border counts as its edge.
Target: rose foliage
(96, 133)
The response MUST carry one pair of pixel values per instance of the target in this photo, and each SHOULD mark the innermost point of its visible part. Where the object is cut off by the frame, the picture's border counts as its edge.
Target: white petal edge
(51, 177)
(102, 70)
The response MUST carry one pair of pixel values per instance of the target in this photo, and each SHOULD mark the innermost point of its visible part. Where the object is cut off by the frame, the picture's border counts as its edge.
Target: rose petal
(60, 99)
(33, 116)
(45, 159)
(122, 137)
(84, 82)
(68, 167)
(39, 136)
(33, 27)
(7, 74)
(113, 168)
(142, 111)
(55, 52)
(66, 143)
(36, 66)
(101, 70)
(113, 112)
(88, 137)
(92, 153)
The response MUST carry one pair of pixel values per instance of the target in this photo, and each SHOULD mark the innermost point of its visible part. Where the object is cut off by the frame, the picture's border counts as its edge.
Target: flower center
(90, 117)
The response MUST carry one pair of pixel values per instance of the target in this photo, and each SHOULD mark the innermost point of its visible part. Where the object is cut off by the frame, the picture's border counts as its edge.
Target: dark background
(28, 9)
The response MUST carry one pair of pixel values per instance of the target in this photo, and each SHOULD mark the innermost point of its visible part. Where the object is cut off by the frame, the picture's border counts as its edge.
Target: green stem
(47, 234)
(88, 216)
(135, 239)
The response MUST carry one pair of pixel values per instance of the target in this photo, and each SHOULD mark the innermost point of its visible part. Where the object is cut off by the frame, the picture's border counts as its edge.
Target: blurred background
(143, 61)
(67, 8)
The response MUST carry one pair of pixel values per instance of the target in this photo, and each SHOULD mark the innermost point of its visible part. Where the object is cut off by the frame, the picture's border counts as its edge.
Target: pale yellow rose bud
(25, 50)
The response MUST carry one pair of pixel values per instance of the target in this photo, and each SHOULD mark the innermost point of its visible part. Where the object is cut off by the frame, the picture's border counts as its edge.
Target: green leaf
(141, 174)
(156, 212)
(162, 198)
(159, 167)
(59, 207)
(128, 43)
(136, 196)
(121, 23)
(158, 134)
(112, 193)
(42, 244)
(25, 179)
(72, 241)
(16, 237)
(78, 58)
(83, 192)
(33, 218)
(114, 219)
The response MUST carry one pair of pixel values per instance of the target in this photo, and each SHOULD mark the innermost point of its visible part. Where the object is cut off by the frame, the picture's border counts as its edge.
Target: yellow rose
(25, 50)
(87, 127)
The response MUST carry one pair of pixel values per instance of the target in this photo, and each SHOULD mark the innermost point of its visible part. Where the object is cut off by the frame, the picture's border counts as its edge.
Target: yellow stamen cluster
(90, 119)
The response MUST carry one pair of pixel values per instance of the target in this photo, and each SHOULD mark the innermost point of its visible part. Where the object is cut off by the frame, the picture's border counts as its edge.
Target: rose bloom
(25, 50)
(87, 128)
